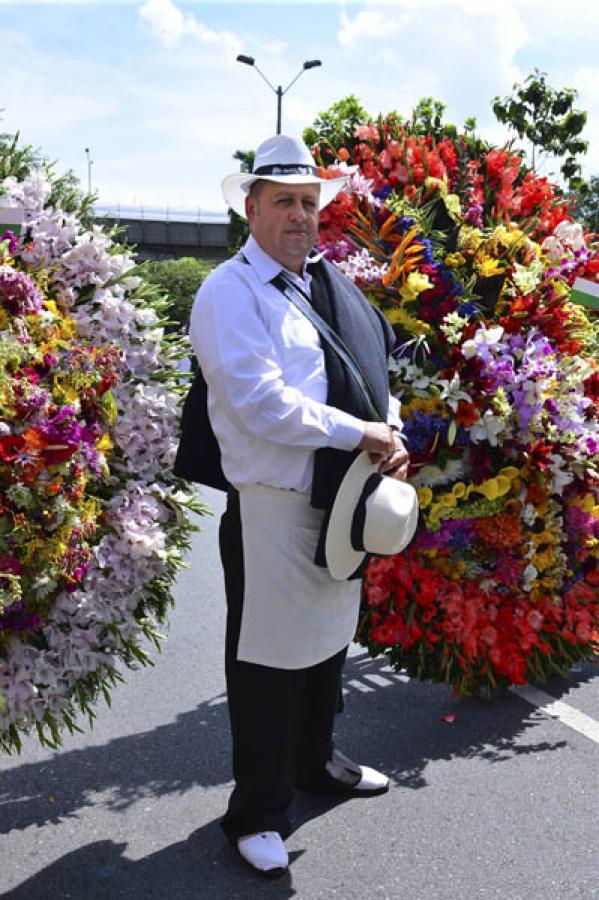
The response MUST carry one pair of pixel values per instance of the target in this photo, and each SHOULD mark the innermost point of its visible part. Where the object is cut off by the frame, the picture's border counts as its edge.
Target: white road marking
(557, 709)
(359, 686)
(398, 676)
(379, 680)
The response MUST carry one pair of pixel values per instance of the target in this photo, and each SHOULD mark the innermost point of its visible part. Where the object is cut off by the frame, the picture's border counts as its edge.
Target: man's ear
(250, 205)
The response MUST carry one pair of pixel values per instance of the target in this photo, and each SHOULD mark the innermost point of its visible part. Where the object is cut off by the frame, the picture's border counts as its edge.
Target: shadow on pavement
(203, 867)
(399, 727)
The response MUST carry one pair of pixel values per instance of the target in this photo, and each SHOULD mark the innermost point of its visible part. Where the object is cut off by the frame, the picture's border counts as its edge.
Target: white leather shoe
(372, 780)
(265, 852)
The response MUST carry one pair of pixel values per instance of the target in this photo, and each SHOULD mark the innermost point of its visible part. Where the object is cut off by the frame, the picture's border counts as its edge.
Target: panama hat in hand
(282, 159)
(372, 513)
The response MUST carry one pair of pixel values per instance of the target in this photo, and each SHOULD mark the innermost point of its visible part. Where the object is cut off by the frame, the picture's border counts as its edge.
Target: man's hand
(385, 447)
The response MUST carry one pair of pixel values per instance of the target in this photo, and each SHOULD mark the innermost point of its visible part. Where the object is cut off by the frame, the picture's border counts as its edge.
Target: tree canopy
(547, 118)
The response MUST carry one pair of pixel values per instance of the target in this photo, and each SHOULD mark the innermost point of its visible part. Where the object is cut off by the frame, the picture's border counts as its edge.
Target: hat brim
(235, 188)
(341, 558)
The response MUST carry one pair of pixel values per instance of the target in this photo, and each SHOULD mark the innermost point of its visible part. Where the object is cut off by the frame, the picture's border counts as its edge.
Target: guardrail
(181, 233)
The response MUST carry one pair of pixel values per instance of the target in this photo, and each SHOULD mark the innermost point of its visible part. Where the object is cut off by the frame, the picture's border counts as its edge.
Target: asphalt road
(501, 804)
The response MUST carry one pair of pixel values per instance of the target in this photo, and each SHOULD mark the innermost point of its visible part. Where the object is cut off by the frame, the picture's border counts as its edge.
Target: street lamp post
(90, 163)
(250, 61)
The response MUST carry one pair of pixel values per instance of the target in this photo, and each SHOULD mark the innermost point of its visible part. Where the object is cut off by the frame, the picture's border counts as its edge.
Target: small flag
(11, 218)
(585, 292)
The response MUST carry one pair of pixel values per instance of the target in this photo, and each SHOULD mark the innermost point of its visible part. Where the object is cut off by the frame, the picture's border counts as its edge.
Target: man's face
(284, 220)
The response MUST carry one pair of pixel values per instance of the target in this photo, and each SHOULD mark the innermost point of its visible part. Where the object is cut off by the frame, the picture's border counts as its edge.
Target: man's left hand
(397, 463)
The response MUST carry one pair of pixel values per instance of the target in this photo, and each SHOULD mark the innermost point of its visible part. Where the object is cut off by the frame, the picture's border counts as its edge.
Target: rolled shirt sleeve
(394, 414)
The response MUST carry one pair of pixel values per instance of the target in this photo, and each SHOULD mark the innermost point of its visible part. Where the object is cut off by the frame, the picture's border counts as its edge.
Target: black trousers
(281, 720)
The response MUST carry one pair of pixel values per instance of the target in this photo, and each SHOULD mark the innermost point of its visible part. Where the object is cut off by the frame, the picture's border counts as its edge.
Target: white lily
(451, 393)
(487, 429)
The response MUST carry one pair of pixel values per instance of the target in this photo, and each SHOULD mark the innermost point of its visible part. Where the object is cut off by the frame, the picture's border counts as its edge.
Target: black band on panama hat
(372, 513)
(282, 159)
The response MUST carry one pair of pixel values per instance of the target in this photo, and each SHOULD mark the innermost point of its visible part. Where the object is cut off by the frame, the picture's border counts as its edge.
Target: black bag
(198, 454)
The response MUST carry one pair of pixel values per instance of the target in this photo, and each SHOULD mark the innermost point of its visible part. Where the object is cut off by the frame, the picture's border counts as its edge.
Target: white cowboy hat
(372, 513)
(283, 159)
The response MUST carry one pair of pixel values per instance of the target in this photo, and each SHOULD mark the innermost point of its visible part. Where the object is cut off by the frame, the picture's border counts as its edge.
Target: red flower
(591, 387)
(10, 446)
(538, 456)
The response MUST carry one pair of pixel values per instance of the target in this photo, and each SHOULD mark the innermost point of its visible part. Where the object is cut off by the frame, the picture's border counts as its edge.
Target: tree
(586, 201)
(337, 123)
(547, 118)
(180, 280)
(238, 227)
(246, 159)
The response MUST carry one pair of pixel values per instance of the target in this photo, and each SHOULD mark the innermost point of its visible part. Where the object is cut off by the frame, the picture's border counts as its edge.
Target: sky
(153, 90)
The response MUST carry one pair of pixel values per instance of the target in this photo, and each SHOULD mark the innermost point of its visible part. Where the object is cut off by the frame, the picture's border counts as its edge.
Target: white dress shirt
(265, 370)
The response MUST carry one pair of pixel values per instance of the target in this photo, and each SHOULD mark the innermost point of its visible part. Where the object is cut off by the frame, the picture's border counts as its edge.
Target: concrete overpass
(169, 233)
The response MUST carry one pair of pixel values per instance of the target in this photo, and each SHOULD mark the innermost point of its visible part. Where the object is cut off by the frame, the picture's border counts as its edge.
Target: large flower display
(472, 259)
(92, 523)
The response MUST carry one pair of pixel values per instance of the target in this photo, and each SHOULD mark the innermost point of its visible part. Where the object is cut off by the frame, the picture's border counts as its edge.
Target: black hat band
(286, 169)
(359, 517)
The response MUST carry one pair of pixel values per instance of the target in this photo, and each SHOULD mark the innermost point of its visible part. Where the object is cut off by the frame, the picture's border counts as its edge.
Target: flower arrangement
(472, 261)
(92, 525)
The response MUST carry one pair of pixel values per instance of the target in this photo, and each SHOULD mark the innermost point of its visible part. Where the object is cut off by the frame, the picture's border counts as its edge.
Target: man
(288, 425)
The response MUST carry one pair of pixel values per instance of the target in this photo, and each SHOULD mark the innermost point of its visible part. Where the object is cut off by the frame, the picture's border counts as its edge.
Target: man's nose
(297, 211)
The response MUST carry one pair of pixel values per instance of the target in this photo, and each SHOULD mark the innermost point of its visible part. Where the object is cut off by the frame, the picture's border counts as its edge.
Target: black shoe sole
(342, 790)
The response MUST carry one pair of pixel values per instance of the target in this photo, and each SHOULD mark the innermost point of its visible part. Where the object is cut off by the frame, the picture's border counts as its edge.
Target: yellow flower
(454, 260)
(104, 443)
(544, 537)
(68, 328)
(416, 283)
(494, 487)
(459, 489)
(448, 501)
(543, 560)
(398, 316)
(3, 318)
(470, 239)
(490, 267)
(452, 202)
(425, 495)
(63, 393)
(435, 513)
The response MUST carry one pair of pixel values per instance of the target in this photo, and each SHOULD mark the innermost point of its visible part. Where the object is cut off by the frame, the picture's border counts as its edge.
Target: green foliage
(246, 159)
(427, 119)
(179, 279)
(16, 161)
(586, 203)
(547, 118)
(238, 231)
(238, 227)
(337, 123)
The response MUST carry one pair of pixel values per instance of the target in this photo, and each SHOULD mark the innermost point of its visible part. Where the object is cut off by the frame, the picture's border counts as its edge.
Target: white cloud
(170, 25)
(51, 104)
(452, 49)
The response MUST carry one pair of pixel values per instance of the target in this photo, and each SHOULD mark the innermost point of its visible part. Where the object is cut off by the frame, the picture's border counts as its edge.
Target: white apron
(294, 614)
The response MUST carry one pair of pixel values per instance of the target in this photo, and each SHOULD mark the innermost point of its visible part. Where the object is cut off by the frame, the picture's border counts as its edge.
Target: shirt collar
(264, 265)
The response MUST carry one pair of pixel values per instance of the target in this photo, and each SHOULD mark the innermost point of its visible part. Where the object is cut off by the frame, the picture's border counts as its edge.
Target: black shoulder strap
(296, 296)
